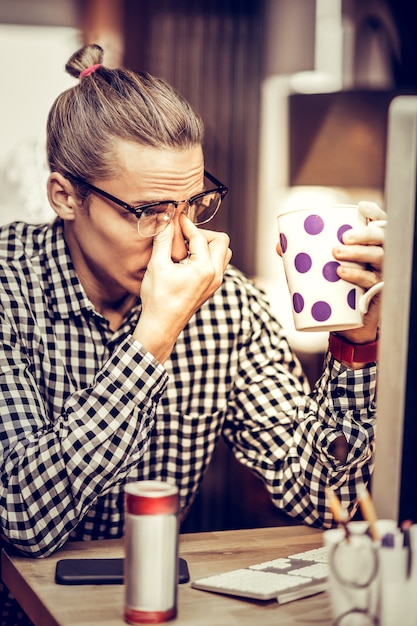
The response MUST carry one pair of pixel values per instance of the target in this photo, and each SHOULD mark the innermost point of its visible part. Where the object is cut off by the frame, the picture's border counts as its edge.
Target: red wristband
(344, 350)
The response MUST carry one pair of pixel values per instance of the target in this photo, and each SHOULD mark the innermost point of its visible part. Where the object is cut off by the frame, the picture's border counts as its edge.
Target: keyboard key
(315, 570)
(276, 564)
(320, 555)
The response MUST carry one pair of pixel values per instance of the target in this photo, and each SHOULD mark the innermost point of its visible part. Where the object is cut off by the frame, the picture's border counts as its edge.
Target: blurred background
(294, 95)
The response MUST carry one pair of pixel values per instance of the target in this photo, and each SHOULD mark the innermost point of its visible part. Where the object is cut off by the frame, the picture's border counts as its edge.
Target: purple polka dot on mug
(321, 311)
(302, 262)
(313, 224)
(283, 242)
(351, 299)
(329, 271)
(298, 302)
(341, 230)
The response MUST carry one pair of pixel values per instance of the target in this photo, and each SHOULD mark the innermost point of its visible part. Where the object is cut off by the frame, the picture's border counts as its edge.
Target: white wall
(32, 74)
(316, 68)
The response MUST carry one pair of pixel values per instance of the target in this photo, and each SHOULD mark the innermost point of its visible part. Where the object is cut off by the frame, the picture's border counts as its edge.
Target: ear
(62, 196)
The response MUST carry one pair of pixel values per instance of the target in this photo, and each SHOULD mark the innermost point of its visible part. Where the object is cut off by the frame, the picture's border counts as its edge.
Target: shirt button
(340, 391)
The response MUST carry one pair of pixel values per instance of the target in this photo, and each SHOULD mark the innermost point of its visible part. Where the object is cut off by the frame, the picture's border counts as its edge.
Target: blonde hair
(109, 104)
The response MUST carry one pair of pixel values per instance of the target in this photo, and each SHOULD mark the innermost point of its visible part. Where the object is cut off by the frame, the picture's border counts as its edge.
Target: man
(130, 345)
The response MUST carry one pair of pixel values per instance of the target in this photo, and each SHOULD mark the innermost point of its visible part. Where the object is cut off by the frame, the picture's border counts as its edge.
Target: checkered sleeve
(54, 468)
(285, 434)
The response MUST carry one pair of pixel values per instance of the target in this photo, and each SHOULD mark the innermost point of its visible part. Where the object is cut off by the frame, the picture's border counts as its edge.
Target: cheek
(108, 228)
(113, 241)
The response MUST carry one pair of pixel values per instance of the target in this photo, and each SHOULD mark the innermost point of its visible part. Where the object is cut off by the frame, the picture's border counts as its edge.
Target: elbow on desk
(27, 545)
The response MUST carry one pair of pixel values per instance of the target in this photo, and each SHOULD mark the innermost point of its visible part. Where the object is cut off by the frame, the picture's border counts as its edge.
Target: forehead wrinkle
(150, 174)
(173, 187)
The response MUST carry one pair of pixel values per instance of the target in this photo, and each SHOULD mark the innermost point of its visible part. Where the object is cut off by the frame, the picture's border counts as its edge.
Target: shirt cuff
(349, 389)
(136, 371)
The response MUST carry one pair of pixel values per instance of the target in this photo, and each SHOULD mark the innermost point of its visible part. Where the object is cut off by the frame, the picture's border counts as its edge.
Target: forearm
(53, 472)
(326, 439)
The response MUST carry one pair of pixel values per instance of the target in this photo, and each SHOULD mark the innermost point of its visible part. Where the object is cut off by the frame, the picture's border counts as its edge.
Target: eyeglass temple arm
(214, 180)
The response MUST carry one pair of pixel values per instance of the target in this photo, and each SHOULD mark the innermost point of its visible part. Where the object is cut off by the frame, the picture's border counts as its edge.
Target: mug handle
(365, 299)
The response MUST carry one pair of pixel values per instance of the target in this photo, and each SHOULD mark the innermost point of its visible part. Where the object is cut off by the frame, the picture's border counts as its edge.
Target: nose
(179, 250)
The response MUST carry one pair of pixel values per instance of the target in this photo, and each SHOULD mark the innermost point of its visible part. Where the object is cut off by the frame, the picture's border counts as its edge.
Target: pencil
(339, 514)
(368, 511)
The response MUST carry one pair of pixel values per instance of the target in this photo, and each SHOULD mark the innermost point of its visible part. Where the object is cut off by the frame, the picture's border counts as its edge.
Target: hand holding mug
(332, 260)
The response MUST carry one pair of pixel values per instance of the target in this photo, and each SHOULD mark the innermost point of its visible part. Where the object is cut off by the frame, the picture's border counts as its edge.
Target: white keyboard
(285, 579)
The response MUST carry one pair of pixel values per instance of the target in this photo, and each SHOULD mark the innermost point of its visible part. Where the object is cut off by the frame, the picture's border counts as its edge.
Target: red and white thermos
(151, 552)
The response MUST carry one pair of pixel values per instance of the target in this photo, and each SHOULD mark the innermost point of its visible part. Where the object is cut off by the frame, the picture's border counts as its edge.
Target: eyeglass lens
(155, 219)
(354, 567)
(354, 563)
(356, 617)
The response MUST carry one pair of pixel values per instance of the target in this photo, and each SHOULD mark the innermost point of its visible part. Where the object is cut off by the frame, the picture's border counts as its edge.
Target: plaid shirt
(85, 409)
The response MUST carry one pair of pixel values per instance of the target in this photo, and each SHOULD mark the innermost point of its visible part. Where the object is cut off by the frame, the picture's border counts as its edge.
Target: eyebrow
(139, 203)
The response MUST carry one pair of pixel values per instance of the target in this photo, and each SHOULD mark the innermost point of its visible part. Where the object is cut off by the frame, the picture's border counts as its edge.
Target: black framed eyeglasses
(154, 217)
(354, 564)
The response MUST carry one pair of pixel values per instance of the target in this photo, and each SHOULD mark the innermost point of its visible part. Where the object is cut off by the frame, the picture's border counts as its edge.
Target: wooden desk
(31, 581)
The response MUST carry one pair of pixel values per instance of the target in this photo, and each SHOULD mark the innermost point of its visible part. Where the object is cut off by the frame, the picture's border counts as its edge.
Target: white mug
(321, 301)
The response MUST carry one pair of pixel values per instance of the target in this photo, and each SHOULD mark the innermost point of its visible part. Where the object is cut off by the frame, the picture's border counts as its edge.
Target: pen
(412, 530)
(405, 529)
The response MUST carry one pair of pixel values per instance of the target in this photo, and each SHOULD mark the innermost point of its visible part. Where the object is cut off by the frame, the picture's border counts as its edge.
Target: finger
(371, 210)
(376, 232)
(220, 251)
(371, 255)
(209, 242)
(365, 278)
(372, 234)
(162, 245)
(197, 242)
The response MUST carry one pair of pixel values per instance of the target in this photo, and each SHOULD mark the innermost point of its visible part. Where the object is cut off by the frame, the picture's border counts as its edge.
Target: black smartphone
(101, 571)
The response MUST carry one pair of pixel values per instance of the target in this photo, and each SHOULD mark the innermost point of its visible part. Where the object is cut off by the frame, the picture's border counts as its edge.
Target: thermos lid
(151, 497)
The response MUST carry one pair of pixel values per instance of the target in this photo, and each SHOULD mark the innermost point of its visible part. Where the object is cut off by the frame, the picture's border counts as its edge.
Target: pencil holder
(372, 582)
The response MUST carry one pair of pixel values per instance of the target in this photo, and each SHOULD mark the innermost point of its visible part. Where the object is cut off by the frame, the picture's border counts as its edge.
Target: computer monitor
(394, 482)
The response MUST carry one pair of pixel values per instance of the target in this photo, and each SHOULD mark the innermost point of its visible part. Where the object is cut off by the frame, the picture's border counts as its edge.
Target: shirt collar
(66, 294)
